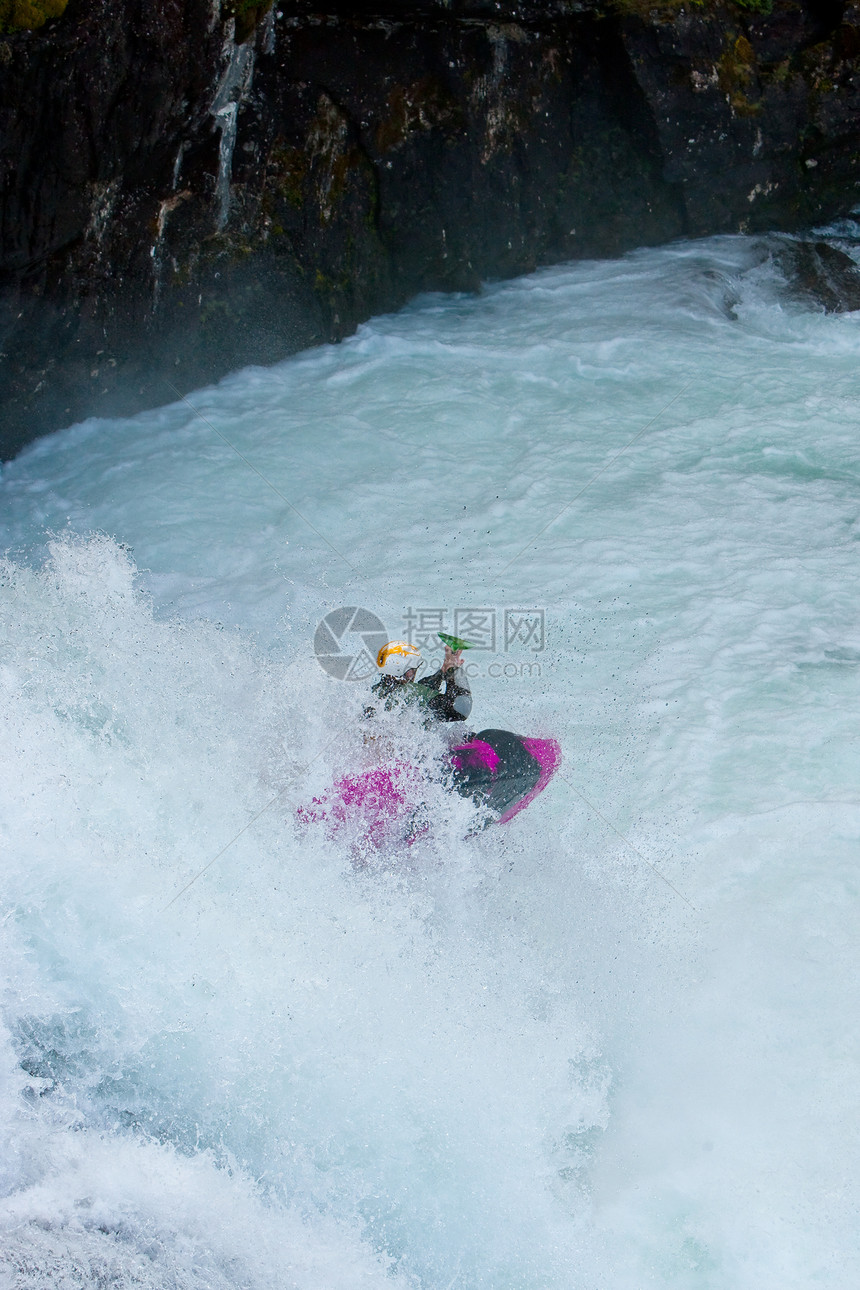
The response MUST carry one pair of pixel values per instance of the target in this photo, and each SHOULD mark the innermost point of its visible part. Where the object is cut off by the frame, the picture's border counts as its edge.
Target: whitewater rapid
(612, 1045)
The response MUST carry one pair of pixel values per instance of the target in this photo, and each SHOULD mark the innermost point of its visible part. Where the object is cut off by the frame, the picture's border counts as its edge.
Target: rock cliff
(188, 188)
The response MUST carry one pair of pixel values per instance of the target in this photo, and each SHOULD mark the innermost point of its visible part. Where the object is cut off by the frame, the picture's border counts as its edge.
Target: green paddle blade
(455, 642)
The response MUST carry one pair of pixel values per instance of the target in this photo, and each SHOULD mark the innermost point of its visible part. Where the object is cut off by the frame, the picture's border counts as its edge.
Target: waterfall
(231, 92)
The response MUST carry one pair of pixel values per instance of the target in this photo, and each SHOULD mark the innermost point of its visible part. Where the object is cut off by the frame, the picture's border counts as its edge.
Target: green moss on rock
(736, 72)
(28, 15)
(247, 14)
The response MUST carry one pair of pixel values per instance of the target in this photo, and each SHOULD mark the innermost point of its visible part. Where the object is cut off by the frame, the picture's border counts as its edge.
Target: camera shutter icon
(347, 641)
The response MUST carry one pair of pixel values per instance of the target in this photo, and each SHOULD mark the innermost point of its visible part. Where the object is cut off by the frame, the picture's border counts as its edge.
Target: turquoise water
(612, 1045)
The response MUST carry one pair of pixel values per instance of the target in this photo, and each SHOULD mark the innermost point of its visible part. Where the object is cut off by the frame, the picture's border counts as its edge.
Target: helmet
(397, 657)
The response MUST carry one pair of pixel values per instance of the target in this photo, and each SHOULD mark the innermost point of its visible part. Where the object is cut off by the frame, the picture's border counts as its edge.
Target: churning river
(613, 1044)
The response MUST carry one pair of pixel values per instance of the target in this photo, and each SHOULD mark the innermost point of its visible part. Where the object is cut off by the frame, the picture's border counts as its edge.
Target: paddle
(455, 643)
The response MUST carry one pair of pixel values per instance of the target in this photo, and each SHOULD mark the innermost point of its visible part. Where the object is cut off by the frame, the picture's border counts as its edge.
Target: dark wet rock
(757, 115)
(819, 274)
(176, 204)
(182, 205)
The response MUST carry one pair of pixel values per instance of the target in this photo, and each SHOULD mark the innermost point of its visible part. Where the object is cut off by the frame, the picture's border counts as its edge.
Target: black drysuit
(451, 703)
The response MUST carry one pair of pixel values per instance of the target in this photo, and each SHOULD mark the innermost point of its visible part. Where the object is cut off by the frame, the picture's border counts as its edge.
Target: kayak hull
(504, 772)
(500, 772)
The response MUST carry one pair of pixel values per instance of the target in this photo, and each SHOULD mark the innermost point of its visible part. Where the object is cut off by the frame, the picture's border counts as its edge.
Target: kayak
(500, 772)
(503, 772)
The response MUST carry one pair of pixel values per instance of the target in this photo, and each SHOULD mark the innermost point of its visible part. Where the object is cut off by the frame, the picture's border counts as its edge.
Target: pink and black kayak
(502, 773)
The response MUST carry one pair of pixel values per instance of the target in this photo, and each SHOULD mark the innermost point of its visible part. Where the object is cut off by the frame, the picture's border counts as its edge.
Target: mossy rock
(247, 14)
(27, 15)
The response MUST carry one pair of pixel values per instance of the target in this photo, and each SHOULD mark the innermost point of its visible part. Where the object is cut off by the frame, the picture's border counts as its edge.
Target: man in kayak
(445, 695)
(496, 769)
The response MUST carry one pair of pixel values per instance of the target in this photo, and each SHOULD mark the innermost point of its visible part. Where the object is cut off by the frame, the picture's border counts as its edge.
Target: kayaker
(445, 694)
